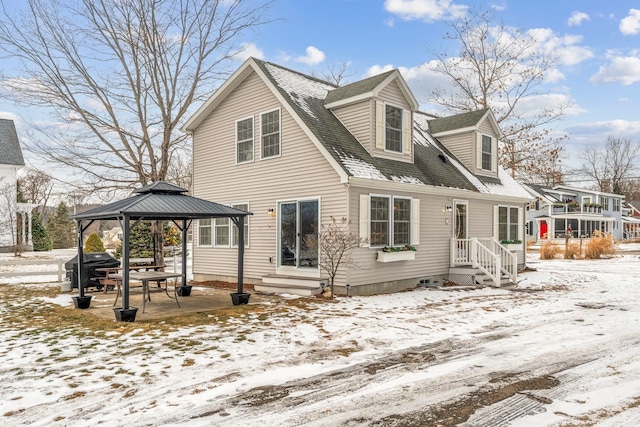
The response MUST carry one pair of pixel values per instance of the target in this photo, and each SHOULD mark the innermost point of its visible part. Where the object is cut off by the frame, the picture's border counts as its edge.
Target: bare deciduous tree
(120, 76)
(36, 187)
(612, 164)
(334, 243)
(337, 73)
(501, 68)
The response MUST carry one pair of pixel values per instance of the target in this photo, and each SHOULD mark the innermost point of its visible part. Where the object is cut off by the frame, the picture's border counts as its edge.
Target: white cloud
(314, 56)
(564, 47)
(576, 18)
(377, 69)
(426, 10)
(624, 70)
(631, 24)
(587, 133)
(248, 50)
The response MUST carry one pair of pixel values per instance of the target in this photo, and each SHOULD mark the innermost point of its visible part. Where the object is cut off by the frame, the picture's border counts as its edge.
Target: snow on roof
(361, 169)
(299, 87)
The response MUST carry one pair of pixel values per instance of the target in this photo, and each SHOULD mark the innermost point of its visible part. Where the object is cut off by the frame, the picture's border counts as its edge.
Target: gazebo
(157, 201)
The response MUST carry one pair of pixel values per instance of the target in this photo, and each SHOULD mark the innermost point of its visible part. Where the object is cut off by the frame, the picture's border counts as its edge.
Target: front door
(298, 236)
(544, 230)
(460, 220)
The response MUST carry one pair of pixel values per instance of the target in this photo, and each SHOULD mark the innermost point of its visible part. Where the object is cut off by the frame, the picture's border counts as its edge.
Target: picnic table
(145, 277)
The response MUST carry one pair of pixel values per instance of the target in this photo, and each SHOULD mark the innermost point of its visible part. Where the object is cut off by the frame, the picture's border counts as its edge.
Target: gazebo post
(126, 229)
(80, 260)
(184, 252)
(240, 225)
(81, 301)
(240, 297)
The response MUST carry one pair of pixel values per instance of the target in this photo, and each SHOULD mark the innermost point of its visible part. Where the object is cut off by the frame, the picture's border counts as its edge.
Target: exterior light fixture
(448, 208)
(271, 212)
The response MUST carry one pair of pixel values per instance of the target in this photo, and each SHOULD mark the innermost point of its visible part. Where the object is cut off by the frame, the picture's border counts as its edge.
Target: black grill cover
(90, 262)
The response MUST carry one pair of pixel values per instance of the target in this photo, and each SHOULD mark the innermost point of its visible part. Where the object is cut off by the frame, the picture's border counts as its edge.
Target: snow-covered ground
(562, 349)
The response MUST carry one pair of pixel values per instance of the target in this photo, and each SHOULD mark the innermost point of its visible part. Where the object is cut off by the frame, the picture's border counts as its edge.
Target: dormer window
(487, 153)
(393, 128)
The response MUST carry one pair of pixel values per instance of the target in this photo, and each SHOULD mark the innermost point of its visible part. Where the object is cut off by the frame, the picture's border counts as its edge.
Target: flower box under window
(395, 256)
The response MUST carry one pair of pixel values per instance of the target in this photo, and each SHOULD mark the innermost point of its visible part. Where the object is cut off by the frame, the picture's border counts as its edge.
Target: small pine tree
(141, 240)
(39, 237)
(93, 244)
(61, 228)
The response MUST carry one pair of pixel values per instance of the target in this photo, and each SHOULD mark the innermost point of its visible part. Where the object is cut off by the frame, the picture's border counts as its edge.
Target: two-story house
(297, 151)
(560, 210)
(14, 216)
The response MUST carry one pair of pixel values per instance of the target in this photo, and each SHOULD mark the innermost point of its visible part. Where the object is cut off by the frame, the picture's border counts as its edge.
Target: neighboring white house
(11, 161)
(297, 151)
(561, 210)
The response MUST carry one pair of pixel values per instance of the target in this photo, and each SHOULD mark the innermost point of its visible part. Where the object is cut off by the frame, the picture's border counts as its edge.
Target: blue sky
(598, 43)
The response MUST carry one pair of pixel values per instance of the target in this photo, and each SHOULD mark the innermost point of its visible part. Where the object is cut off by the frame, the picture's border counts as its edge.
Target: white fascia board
(455, 131)
(375, 184)
(344, 177)
(220, 94)
(586, 190)
(494, 122)
(351, 100)
(403, 87)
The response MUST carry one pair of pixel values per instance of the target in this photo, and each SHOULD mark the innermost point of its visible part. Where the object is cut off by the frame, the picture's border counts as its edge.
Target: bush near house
(550, 250)
(572, 250)
(93, 244)
(600, 246)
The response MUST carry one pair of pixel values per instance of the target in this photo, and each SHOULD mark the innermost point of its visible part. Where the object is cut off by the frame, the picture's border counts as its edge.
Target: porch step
(296, 285)
(464, 275)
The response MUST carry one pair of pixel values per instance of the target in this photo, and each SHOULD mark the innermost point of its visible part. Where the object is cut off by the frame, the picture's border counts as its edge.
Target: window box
(395, 256)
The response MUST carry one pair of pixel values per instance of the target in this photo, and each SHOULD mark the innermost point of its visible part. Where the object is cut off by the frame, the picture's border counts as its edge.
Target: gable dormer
(472, 137)
(378, 111)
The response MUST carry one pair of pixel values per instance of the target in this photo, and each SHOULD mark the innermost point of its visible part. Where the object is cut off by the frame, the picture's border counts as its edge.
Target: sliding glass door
(298, 234)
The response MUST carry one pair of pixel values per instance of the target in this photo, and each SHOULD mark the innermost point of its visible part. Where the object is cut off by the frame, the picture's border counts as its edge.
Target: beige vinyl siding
(358, 119)
(432, 256)
(301, 171)
(462, 146)
(392, 95)
(486, 128)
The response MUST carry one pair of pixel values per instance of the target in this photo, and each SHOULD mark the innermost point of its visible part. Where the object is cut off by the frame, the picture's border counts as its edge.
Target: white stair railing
(487, 255)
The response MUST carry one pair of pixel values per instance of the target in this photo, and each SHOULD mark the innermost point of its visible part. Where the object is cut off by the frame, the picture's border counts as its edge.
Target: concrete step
(296, 285)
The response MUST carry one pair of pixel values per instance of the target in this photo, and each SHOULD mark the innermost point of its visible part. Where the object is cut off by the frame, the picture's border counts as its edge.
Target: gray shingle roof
(433, 164)
(161, 200)
(356, 88)
(10, 152)
(459, 121)
(306, 97)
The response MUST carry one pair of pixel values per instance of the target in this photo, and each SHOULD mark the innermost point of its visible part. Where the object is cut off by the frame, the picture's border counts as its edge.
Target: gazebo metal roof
(159, 201)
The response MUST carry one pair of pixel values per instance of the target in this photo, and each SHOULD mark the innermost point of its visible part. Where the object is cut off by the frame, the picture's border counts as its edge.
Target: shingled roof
(356, 88)
(10, 152)
(458, 121)
(433, 164)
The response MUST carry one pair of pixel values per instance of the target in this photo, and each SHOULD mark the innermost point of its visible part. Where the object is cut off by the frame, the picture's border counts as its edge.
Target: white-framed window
(244, 140)
(616, 205)
(226, 232)
(508, 223)
(221, 232)
(487, 153)
(270, 133)
(390, 223)
(604, 201)
(204, 232)
(393, 128)
(235, 235)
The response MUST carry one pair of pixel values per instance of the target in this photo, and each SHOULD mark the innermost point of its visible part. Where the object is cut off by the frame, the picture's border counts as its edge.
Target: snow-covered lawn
(563, 349)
